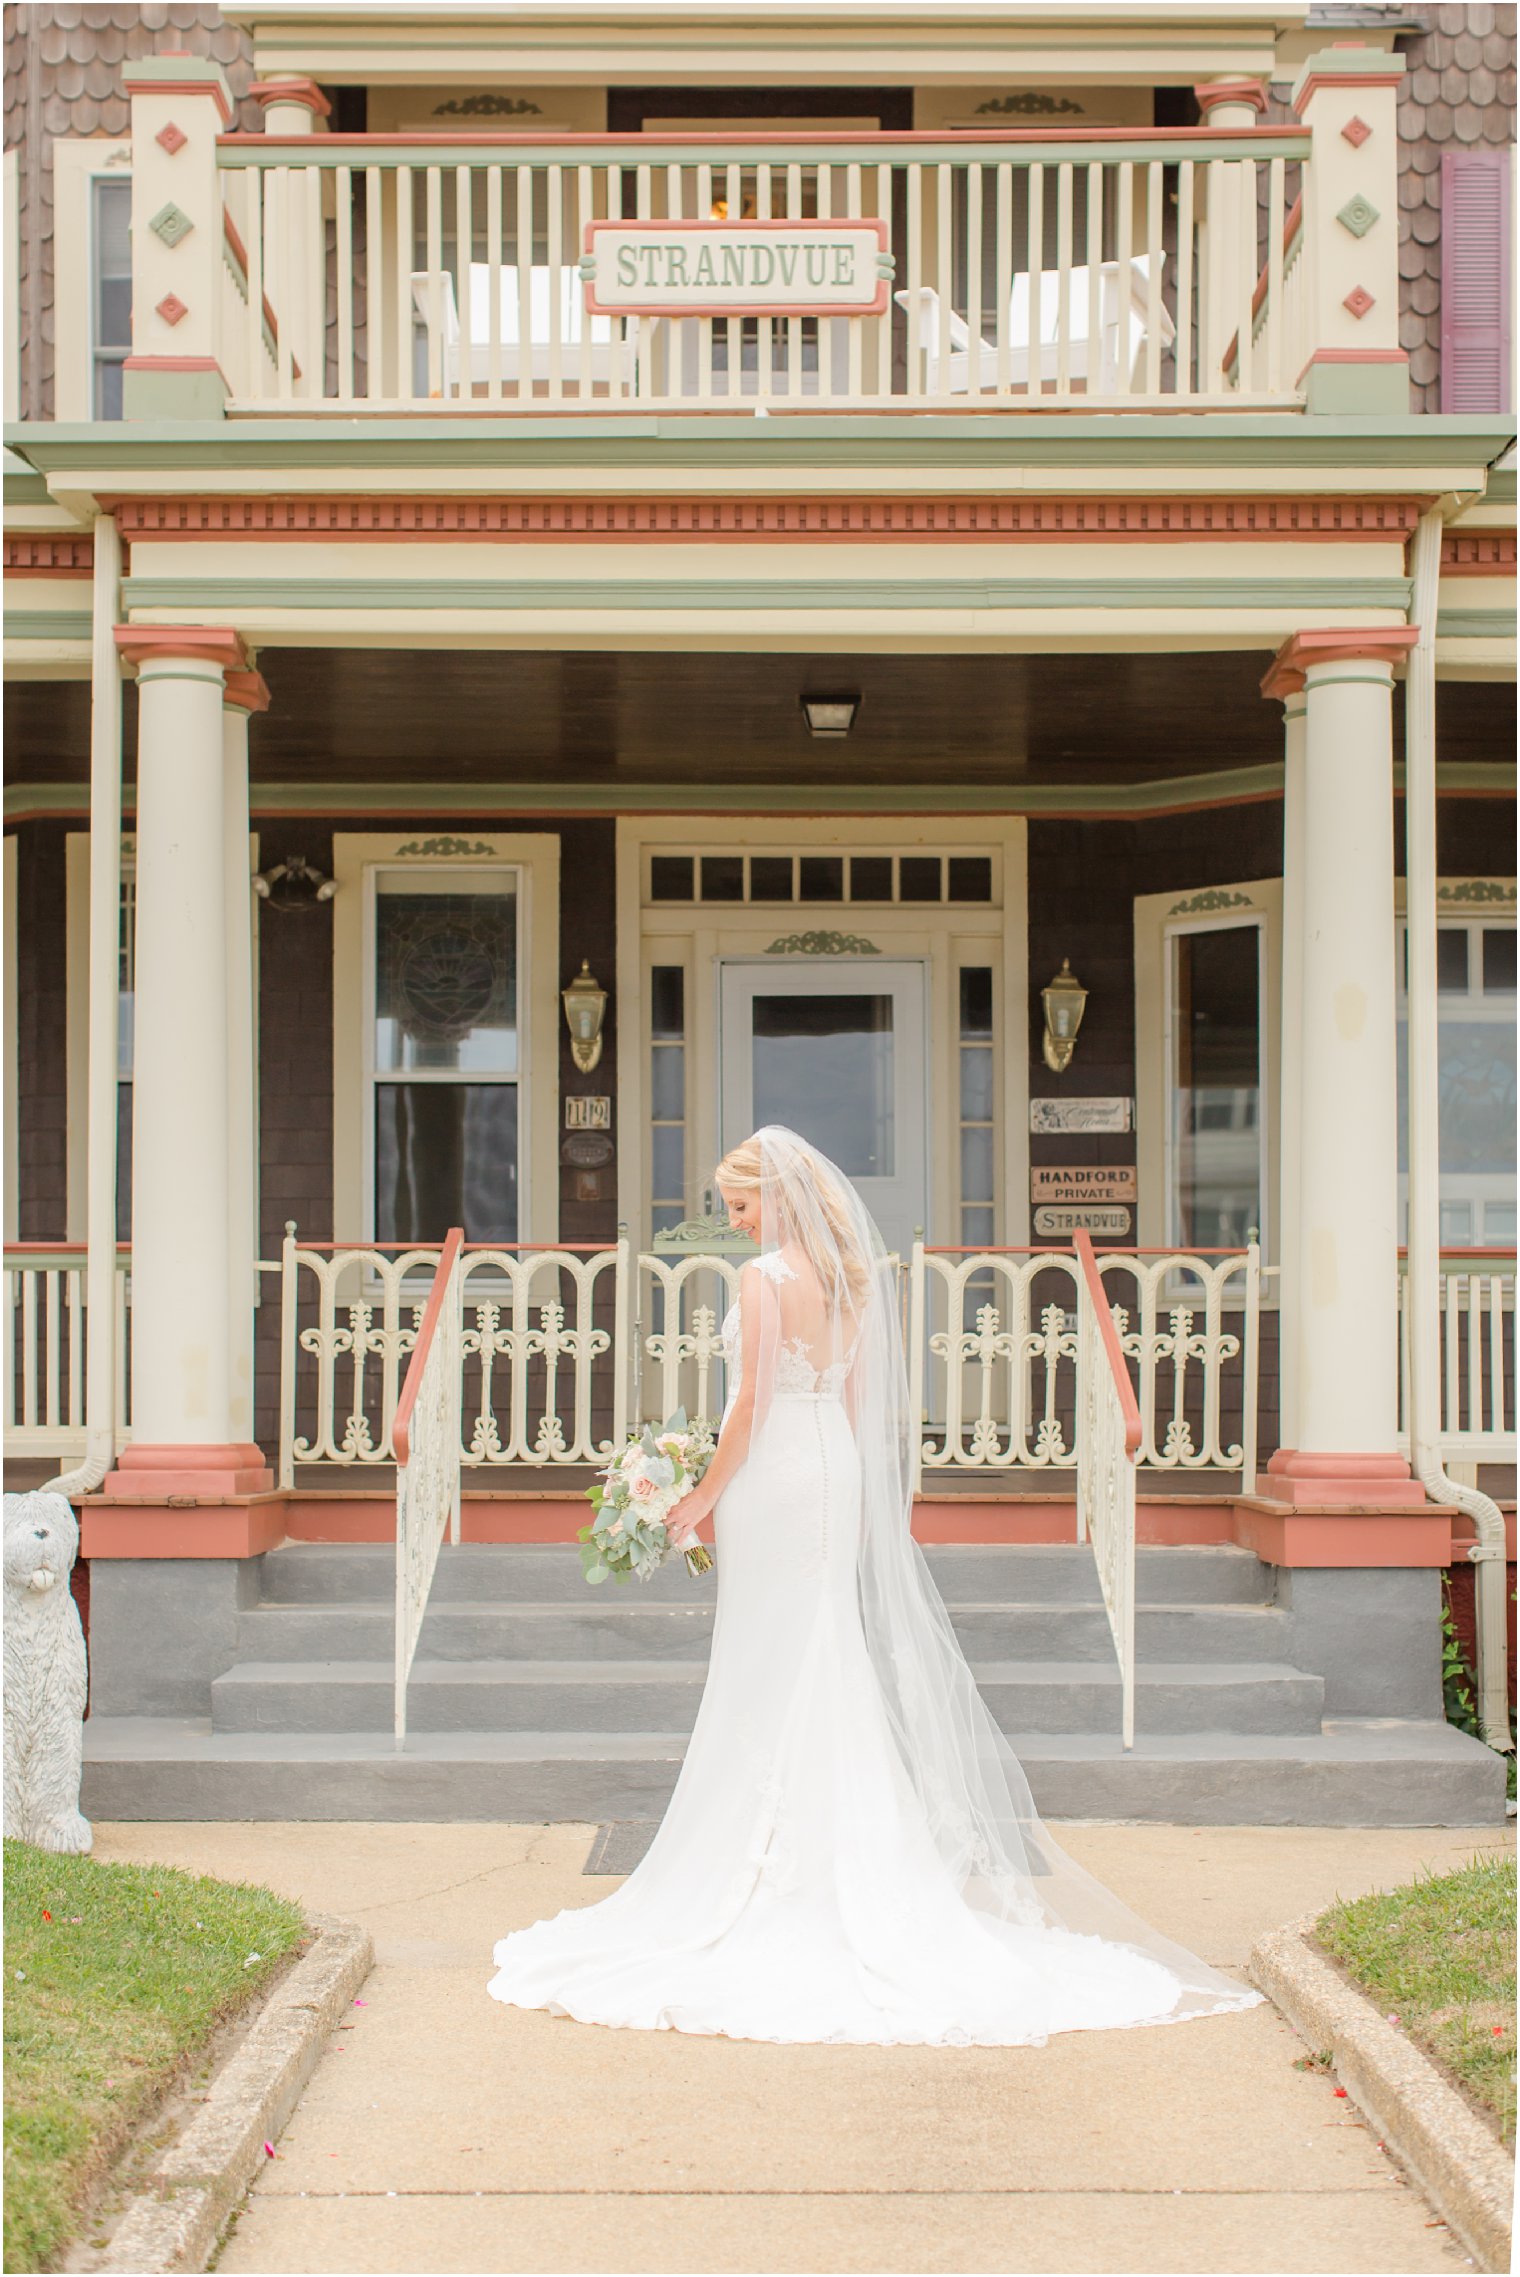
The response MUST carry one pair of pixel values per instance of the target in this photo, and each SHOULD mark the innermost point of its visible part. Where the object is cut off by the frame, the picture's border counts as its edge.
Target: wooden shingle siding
(63, 78)
(1457, 95)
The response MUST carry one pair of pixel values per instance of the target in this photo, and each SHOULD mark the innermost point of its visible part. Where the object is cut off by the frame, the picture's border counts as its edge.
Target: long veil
(972, 1787)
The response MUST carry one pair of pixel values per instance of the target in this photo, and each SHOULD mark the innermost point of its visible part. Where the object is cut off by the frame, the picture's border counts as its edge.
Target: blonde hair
(742, 1170)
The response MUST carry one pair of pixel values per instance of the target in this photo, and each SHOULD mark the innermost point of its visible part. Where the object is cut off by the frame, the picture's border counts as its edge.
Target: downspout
(104, 985)
(1422, 1327)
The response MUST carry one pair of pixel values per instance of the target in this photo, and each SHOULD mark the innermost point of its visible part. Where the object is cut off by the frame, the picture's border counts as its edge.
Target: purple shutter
(1476, 329)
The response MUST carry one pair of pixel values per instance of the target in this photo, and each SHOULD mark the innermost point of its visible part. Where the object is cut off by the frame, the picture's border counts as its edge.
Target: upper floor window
(110, 292)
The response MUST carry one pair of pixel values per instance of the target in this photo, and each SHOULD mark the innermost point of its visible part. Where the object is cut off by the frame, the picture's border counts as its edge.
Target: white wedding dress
(798, 1887)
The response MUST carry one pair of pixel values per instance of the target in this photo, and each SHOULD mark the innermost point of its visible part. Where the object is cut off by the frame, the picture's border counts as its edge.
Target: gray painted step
(637, 1628)
(1375, 1772)
(655, 1695)
(543, 1573)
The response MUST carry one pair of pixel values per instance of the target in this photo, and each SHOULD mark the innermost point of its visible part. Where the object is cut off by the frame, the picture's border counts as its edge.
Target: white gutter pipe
(1422, 1323)
(104, 983)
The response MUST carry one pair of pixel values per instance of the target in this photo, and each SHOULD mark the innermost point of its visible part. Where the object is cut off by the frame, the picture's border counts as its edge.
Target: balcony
(1145, 269)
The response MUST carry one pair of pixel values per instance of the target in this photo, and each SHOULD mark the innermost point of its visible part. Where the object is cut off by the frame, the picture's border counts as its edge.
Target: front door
(835, 1050)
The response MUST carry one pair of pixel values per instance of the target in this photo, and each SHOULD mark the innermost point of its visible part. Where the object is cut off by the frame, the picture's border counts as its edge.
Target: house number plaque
(588, 1113)
(1081, 1182)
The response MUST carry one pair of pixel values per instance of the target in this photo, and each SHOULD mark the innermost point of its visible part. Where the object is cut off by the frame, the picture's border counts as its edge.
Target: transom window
(444, 1058)
(912, 878)
(1475, 1015)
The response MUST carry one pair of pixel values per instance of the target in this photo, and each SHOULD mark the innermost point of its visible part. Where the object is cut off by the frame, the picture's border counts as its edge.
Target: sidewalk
(444, 2132)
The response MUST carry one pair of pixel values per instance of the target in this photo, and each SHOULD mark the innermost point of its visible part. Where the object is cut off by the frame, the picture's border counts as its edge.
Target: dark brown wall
(42, 1090)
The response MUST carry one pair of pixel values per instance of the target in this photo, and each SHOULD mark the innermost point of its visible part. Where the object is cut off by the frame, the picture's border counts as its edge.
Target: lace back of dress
(814, 1343)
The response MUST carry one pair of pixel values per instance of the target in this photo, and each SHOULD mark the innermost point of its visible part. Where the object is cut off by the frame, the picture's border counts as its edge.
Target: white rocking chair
(1096, 363)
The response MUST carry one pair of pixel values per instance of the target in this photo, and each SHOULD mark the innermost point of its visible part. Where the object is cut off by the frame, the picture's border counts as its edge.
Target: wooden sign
(1082, 1182)
(1054, 1218)
(1081, 1114)
(736, 268)
(588, 1113)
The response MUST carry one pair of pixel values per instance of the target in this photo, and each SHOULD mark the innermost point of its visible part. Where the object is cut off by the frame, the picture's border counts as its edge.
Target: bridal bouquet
(630, 1533)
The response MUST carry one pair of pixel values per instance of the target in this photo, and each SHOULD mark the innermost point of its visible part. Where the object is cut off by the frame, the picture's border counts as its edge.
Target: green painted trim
(1475, 624)
(48, 624)
(1446, 443)
(173, 395)
(170, 71)
(955, 150)
(1341, 391)
(488, 802)
(1501, 489)
(237, 594)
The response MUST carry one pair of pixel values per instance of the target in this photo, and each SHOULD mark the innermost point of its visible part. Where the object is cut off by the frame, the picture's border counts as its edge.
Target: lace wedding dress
(850, 1853)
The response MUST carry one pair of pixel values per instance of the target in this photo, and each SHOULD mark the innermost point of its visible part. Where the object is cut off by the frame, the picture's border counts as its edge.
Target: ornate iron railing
(1108, 1436)
(425, 1432)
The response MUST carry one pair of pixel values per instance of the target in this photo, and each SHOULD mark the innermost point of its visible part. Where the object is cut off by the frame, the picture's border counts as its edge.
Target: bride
(851, 1852)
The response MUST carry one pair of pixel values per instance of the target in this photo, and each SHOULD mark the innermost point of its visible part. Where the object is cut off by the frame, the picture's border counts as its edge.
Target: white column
(183, 1435)
(1290, 1134)
(1344, 1293)
(242, 694)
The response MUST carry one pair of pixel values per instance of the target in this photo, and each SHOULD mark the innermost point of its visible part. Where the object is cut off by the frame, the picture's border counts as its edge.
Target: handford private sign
(736, 268)
(1081, 1183)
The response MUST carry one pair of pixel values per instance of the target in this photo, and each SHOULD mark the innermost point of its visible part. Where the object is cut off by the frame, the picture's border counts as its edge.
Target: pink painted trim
(1478, 553)
(140, 644)
(245, 692)
(174, 88)
(804, 139)
(1333, 79)
(1351, 356)
(295, 90)
(1384, 644)
(1230, 91)
(401, 1429)
(1281, 681)
(49, 557)
(873, 228)
(239, 252)
(1082, 1243)
(1292, 224)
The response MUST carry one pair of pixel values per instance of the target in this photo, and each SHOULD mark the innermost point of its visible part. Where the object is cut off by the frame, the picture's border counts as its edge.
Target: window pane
(722, 877)
(970, 877)
(976, 1000)
(823, 1065)
(1499, 1225)
(445, 1155)
(668, 1154)
(976, 1084)
(977, 1230)
(670, 877)
(1498, 960)
(446, 982)
(1215, 1086)
(822, 877)
(1456, 1225)
(918, 877)
(667, 1001)
(770, 877)
(108, 391)
(668, 1101)
(113, 265)
(871, 877)
(1451, 958)
(976, 1165)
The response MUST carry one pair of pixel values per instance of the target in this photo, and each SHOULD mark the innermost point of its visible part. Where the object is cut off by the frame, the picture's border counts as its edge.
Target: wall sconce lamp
(294, 883)
(1065, 1002)
(585, 1002)
(831, 717)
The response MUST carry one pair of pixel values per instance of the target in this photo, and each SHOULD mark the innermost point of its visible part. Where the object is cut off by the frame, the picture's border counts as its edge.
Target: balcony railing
(1148, 269)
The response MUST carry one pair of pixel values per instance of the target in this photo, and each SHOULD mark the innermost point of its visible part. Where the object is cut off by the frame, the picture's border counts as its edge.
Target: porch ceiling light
(585, 1002)
(1065, 1002)
(830, 716)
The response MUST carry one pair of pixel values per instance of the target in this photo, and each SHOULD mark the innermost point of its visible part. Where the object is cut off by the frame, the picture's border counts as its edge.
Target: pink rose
(644, 1488)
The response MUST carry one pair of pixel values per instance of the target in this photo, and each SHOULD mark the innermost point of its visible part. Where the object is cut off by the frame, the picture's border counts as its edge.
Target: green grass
(104, 2004)
(1439, 1955)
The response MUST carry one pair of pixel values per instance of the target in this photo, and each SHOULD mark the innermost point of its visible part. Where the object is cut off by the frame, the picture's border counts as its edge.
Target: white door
(834, 1048)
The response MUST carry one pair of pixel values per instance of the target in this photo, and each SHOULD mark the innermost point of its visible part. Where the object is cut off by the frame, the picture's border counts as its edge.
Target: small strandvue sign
(736, 268)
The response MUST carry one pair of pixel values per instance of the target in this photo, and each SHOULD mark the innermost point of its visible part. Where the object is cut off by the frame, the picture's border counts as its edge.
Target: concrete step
(340, 1573)
(628, 1627)
(662, 1695)
(1355, 1772)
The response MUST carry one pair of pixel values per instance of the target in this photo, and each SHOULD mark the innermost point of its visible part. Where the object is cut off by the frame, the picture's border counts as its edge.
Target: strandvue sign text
(736, 268)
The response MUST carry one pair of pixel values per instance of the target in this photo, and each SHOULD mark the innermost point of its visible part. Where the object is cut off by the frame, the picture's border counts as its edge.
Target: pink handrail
(1129, 1406)
(401, 1442)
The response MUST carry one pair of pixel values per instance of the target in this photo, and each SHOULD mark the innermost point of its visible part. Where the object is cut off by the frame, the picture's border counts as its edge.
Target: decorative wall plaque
(1113, 1224)
(736, 268)
(1082, 1182)
(588, 1112)
(591, 1152)
(1081, 1114)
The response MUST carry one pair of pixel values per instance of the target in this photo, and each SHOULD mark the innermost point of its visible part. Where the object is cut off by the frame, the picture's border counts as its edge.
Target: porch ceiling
(626, 720)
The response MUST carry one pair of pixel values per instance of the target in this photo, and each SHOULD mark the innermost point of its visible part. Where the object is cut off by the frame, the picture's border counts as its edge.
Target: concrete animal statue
(44, 1675)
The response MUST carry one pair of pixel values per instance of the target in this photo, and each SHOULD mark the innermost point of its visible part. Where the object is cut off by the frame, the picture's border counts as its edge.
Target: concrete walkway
(446, 2133)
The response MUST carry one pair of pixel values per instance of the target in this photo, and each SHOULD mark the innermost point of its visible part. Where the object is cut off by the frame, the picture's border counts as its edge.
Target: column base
(1343, 1482)
(145, 1473)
